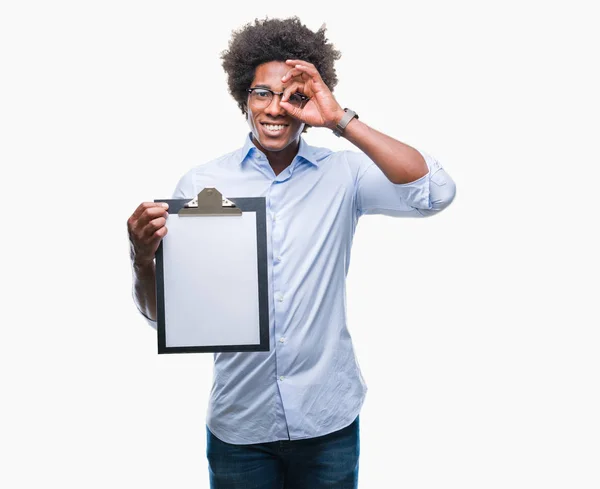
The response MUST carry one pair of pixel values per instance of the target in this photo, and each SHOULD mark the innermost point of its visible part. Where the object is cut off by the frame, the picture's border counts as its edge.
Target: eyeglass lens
(262, 96)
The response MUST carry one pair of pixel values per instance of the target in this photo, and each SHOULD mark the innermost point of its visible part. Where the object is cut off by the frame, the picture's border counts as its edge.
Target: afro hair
(275, 40)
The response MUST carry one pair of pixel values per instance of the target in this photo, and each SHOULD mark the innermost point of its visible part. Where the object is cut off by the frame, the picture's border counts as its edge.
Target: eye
(261, 93)
(297, 97)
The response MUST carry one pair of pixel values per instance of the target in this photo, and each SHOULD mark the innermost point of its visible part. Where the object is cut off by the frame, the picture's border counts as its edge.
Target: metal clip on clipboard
(210, 202)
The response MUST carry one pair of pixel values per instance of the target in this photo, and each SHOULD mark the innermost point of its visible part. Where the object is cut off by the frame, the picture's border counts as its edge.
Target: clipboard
(211, 276)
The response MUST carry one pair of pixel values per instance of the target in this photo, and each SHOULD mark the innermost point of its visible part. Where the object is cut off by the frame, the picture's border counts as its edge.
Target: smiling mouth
(274, 128)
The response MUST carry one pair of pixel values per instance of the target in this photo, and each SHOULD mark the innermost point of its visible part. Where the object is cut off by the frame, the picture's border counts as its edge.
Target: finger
(154, 242)
(144, 247)
(161, 233)
(293, 88)
(304, 67)
(150, 229)
(151, 212)
(147, 205)
(291, 73)
(295, 62)
(309, 70)
(147, 252)
(291, 110)
(141, 230)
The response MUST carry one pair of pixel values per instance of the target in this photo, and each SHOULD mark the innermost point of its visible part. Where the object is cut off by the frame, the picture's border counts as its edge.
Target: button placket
(277, 235)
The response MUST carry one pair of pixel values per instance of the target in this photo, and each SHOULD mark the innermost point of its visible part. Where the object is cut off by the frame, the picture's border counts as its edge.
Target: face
(262, 120)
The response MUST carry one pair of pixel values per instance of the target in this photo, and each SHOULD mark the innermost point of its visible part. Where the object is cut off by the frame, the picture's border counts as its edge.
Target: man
(289, 417)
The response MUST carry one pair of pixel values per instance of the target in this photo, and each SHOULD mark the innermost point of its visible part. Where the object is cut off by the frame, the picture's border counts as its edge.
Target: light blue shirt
(309, 384)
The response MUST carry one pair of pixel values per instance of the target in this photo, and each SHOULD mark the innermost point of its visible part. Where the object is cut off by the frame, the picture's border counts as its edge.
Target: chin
(272, 144)
(275, 146)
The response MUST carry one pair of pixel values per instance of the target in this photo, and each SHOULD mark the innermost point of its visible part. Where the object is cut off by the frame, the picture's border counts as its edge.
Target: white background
(475, 329)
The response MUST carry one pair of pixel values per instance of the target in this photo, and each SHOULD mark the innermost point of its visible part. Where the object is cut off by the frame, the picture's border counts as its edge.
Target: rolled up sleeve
(428, 195)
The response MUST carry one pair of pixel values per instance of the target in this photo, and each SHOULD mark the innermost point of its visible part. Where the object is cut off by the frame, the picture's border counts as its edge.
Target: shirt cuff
(416, 194)
(420, 194)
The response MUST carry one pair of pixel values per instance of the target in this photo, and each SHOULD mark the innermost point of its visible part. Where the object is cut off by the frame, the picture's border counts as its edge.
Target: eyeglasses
(262, 97)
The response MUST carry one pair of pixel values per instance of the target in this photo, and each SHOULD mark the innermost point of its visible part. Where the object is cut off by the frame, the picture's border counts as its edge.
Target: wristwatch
(346, 118)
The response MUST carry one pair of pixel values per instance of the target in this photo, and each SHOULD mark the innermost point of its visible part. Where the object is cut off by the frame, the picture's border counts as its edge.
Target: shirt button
(274, 217)
(278, 258)
(281, 378)
(280, 298)
(282, 340)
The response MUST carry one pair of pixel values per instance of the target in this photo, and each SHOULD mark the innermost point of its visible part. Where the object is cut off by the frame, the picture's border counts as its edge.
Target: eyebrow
(263, 85)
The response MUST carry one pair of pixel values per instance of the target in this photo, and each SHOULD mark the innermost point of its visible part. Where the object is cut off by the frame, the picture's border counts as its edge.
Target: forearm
(144, 289)
(399, 162)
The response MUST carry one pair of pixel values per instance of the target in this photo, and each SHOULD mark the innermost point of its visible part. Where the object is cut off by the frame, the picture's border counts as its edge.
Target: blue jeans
(329, 461)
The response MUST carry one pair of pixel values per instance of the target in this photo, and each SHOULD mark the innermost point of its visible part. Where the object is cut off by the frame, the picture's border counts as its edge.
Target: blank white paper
(211, 280)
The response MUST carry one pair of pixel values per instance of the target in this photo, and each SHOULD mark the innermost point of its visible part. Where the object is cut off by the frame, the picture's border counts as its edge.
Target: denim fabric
(329, 461)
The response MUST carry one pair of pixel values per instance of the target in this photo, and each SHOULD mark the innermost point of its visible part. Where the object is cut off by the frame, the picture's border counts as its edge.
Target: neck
(279, 160)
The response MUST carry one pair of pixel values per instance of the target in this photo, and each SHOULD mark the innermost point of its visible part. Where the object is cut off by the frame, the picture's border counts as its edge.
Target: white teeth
(272, 127)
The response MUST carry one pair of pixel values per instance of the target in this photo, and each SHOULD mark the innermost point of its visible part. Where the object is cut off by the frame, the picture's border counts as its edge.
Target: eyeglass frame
(303, 97)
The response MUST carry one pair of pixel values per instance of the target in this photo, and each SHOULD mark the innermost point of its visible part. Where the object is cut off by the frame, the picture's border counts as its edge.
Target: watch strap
(344, 121)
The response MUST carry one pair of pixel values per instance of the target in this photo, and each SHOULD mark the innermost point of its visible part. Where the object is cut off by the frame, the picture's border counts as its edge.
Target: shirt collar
(305, 151)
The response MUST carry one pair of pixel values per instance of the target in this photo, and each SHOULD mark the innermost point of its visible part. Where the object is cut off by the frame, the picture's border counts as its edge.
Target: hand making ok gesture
(322, 109)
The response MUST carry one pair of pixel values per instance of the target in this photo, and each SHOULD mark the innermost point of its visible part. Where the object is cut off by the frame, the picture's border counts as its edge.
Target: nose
(274, 108)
